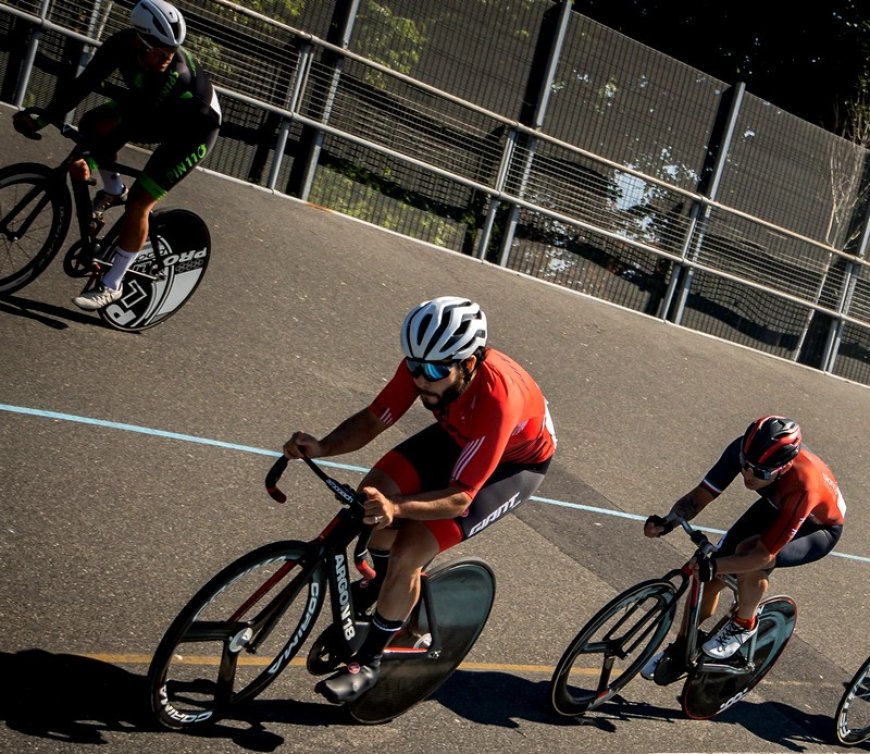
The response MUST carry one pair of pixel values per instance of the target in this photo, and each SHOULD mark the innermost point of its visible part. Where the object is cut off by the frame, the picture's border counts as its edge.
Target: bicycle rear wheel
(707, 692)
(236, 635)
(34, 219)
(159, 290)
(853, 711)
(612, 647)
(462, 593)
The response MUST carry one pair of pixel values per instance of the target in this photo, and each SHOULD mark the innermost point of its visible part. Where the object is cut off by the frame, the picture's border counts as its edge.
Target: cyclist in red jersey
(797, 519)
(486, 454)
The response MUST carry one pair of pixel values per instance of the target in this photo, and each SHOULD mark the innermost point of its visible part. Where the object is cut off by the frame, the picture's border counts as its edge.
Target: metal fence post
(850, 280)
(302, 176)
(700, 228)
(544, 87)
(494, 201)
(300, 78)
(29, 58)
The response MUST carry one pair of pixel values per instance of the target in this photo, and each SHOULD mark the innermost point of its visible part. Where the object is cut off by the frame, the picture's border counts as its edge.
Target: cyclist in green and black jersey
(169, 101)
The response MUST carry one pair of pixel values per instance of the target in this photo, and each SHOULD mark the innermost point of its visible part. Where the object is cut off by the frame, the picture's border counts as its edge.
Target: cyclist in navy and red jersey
(486, 453)
(169, 100)
(798, 519)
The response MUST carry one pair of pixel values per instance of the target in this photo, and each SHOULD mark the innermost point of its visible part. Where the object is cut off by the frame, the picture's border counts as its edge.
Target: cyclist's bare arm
(687, 507)
(421, 506)
(352, 434)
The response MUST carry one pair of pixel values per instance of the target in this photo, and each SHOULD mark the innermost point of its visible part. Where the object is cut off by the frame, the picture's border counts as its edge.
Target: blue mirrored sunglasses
(758, 473)
(429, 370)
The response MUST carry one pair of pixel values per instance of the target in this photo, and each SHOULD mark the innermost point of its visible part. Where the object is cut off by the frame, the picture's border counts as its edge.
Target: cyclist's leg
(811, 543)
(423, 461)
(181, 148)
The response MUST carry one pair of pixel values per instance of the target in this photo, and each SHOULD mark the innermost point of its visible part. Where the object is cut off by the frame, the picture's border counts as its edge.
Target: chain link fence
(528, 135)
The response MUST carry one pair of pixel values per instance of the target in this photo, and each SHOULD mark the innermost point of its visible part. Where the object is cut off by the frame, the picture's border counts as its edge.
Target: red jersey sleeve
(396, 397)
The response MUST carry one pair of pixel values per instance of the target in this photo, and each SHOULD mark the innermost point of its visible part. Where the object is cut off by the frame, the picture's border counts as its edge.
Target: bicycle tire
(706, 693)
(145, 302)
(24, 259)
(627, 630)
(462, 593)
(188, 683)
(852, 721)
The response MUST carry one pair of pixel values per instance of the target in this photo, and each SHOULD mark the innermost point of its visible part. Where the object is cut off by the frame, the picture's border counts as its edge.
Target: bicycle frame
(330, 547)
(694, 656)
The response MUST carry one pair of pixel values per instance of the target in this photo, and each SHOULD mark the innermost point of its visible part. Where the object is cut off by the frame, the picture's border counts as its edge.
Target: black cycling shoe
(349, 684)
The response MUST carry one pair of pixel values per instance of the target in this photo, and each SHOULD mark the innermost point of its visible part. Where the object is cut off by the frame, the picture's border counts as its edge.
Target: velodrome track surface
(132, 470)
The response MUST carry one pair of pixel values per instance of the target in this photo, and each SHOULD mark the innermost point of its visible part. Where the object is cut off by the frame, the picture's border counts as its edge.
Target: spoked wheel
(613, 647)
(714, 687)
(153, 293)
(34, 219)
(462, 593)
(236, 635)
(853, 711)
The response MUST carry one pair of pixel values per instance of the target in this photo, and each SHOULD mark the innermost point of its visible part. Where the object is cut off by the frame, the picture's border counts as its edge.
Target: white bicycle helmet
(447, 328)
(159, 22)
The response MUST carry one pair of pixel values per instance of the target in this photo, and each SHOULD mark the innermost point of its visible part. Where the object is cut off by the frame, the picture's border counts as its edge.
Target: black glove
(706, 568)
(667, 526)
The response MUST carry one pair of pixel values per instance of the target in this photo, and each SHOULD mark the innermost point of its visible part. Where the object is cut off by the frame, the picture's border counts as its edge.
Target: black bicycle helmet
(771, 442)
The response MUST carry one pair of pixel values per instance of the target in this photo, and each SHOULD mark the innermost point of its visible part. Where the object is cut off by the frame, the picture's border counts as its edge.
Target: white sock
(121, 262)
(112, 183)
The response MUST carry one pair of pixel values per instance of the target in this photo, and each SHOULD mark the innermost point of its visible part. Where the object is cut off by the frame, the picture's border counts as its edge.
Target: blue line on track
(332, 464)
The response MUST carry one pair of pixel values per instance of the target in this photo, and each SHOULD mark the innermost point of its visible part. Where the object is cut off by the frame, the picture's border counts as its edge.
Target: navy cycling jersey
(181, 91)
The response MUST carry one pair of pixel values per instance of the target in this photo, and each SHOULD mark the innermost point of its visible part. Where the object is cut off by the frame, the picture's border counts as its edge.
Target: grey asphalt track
(132, 469)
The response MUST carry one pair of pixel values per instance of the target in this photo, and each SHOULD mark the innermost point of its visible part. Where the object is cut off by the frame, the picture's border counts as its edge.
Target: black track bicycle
(36, 203)
(853, 711)
(249, 622)
(619, 639)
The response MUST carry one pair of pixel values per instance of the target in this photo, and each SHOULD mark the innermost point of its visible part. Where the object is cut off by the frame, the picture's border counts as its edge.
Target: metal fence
(529, 135)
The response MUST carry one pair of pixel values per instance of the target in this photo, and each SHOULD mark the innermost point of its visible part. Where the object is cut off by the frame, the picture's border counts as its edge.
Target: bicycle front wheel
(34, 219)
(853, 711)
(612, 647)
(715, 687)
(236, 635)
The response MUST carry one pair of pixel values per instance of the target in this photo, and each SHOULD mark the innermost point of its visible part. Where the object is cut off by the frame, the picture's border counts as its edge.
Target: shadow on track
(50, 315)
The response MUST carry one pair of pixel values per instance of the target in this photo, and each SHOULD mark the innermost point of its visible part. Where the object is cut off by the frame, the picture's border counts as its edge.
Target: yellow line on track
(206, 660)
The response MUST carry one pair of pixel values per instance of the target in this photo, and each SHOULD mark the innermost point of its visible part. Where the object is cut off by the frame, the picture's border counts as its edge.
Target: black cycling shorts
(425, 462)
(812, 541)
(181, 144)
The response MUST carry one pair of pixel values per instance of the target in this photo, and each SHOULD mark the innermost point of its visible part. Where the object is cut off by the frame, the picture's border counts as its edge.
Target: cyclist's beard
(451, 394)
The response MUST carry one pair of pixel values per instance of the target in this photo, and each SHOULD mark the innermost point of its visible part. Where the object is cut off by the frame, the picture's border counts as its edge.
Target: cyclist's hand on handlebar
(704, 567)
(27, 124)
(657, 526)
(302, 444)
(379, 509)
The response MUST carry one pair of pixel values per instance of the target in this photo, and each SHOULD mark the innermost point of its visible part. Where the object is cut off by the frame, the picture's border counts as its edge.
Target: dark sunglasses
(759, 473)
(429, 370)
(152, 44)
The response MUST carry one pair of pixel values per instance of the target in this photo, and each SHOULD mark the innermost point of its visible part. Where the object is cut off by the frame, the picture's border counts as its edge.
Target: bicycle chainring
(77, 262)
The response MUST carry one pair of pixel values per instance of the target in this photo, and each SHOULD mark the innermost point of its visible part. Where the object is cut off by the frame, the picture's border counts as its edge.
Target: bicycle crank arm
(134, 273)
(718, 667)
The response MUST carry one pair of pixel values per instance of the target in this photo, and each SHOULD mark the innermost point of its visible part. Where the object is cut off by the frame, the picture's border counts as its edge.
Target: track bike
(36, 203)
(853, 711)
(246, 625)
(617, 642)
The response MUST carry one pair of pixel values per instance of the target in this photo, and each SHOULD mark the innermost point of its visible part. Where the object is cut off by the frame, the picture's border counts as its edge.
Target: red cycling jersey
(808, 490)
(501, 417)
